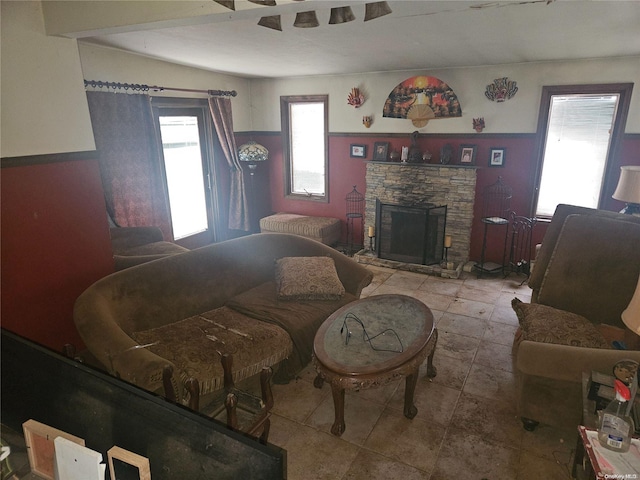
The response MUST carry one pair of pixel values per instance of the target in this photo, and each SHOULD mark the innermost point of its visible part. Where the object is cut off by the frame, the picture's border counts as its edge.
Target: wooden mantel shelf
(428, 165)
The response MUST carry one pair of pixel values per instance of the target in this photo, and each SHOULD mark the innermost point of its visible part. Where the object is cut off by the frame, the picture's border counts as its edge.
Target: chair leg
(167, 383)
(227, 368)
(193, 387)
(265, 387)
(69, 351)
(230, 404)
(528, 424)
(264, 437)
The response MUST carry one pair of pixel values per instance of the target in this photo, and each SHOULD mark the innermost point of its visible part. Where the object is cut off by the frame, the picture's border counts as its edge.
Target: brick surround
(407, 184)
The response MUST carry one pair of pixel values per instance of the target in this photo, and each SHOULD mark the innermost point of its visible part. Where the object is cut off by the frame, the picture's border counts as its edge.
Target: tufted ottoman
(322, 229)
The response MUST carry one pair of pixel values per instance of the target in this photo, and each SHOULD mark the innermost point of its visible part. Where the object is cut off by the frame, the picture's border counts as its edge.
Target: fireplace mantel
(421, 165)
(417, 183)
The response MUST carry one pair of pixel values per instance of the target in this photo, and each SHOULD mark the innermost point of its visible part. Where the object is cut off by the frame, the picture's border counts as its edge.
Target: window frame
(285, 112)
(609, 179)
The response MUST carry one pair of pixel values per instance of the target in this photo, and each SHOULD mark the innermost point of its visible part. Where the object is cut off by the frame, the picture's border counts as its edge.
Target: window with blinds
(578, 139)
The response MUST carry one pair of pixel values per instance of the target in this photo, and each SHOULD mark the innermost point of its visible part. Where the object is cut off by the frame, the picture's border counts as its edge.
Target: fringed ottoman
(322, 229)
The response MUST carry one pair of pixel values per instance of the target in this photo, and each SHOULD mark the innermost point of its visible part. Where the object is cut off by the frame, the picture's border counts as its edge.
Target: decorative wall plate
(501, 89)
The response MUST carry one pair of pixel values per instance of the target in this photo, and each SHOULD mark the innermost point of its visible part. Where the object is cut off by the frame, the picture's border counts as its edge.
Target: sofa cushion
(195, 346)
(301, 319)
(541, 323)
(308, 278)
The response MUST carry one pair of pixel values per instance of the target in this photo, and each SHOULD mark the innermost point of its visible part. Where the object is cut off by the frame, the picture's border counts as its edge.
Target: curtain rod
(136, 87)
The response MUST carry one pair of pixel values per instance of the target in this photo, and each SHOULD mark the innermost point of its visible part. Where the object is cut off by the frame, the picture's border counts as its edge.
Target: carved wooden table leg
(338, 405)
(410, 383)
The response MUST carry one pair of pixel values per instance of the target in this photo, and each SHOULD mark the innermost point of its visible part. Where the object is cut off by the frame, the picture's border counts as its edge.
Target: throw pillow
(541, 323)
(308, 278)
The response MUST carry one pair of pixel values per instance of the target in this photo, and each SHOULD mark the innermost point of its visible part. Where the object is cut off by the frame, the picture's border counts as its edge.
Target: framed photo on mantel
(380, 151)
(467, 154)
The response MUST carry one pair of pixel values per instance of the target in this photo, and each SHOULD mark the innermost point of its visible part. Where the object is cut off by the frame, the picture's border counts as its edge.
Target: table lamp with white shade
(631, 315)
(628, 189)
(631, 318)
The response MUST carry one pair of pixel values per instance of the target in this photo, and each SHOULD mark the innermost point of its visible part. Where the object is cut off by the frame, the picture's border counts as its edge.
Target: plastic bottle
(616, 426)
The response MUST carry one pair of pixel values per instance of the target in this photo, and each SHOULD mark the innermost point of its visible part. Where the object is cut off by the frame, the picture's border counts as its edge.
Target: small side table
(587, 463)
(583, 464)
(590, 463)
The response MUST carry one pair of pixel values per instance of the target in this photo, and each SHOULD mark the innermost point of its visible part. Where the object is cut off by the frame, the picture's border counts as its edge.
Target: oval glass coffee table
(372, 342)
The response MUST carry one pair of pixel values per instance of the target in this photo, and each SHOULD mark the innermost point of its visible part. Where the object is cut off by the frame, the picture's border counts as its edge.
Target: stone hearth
(414, 184)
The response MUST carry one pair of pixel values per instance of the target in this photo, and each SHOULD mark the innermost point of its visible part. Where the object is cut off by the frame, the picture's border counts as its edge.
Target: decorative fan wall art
(421, 99)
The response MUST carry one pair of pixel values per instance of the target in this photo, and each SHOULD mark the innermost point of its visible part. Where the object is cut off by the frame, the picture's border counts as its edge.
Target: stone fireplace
(450, 186)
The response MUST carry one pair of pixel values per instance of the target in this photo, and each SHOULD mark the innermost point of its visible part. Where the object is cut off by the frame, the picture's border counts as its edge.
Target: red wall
(55, 237)
(55, 243)
(345, 172)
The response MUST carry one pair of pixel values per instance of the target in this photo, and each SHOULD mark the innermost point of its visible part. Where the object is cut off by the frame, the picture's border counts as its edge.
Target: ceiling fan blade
(306, 20)
(230, 4)
(272, 22)
(341, 15)
(268, 3)
(375, 10)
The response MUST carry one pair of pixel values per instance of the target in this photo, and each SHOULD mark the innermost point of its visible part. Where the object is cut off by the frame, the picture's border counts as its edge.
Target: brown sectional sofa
(135, 245)
(182, 312)
(588, 265)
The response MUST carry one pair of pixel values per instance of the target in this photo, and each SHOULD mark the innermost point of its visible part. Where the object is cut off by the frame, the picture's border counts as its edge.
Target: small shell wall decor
(501, 89)
(355, 98)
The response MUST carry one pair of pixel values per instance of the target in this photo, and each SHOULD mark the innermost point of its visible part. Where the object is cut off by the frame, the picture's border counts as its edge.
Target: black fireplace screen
(410, 233)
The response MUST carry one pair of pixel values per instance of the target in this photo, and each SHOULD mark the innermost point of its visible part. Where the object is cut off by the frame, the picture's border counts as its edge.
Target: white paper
(614, 463)
(75, 462)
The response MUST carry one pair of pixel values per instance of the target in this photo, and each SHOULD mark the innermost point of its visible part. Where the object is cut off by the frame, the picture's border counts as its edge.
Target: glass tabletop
(377, 330)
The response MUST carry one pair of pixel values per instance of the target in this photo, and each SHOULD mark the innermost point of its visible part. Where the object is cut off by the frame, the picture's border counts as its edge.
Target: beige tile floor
(466, 425)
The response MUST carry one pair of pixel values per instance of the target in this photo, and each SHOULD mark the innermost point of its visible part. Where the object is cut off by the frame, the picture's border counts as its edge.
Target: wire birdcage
(355, 210)
(497, 202)
(355, 204)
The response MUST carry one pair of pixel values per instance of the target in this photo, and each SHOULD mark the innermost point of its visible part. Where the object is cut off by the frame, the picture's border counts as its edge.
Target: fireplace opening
(410, 233)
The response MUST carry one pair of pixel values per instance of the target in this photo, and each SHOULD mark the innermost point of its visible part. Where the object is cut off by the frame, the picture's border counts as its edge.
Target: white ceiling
(419, 34)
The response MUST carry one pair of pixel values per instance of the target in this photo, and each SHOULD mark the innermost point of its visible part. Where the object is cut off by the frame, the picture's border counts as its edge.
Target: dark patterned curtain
(129, 160)
(223, 121)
